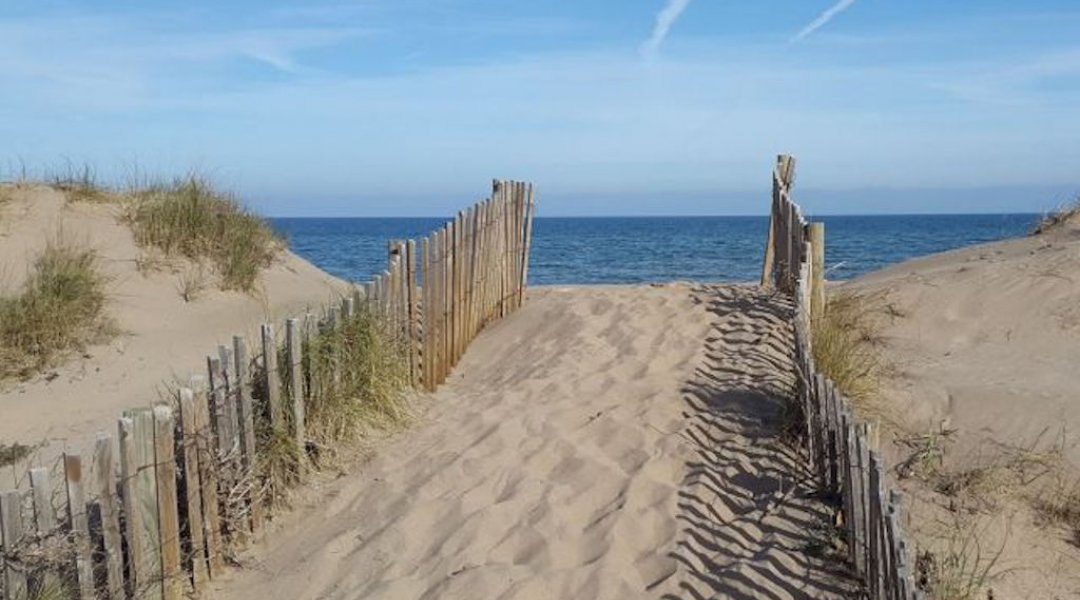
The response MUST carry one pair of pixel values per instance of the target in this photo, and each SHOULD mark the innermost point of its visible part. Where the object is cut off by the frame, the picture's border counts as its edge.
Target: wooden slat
(425, 315)
(168, 515)
(246, 415)
(295, 354)
(193, 490)
(80, 526)
(143, 500)
(44, 518)
(11, 533)
(271, 377)
(414, 314)
(208, 478)
(109, 505)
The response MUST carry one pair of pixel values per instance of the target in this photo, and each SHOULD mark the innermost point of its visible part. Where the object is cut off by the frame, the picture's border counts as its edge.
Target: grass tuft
(13, 453)
(842, 341)
(60, 309)
(80, 184)
(1060, 506)
(960, 569)
(1059, 217)
(189, 218)
(356, 382)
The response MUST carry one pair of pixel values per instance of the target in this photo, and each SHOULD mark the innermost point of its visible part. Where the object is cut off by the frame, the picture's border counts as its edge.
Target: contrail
(822, 20)
(664, 21)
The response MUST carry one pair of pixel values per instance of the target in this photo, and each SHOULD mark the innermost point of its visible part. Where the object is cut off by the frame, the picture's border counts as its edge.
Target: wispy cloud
(822, 20)
(664, 21)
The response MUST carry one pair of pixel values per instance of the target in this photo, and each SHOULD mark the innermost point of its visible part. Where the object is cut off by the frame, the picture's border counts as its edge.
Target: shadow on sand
(750, 524)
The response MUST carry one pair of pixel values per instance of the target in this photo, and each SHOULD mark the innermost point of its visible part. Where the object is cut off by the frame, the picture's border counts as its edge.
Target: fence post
(817, 270)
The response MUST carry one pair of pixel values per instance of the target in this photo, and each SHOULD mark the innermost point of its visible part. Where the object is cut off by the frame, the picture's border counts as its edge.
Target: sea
(658, 249)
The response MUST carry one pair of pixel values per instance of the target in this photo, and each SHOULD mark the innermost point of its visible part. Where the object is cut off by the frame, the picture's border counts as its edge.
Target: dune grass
(79, 184)
(1064, 214)
(189, 218)
(356, 382)
(1060, 506)
(961, 567)
(842, 342)
(60, 309)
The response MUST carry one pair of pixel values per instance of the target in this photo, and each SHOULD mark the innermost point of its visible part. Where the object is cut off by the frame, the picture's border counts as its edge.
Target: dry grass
(843, 342)
(1059, 506)
(996, 473)
(79, 184)
(190, 219)
(960, 568)
(192, 281)
(13, 453)
(60, 309)
(1061, 216)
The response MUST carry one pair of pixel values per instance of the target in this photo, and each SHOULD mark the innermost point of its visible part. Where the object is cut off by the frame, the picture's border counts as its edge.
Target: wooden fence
(839, 449)
(182, 485)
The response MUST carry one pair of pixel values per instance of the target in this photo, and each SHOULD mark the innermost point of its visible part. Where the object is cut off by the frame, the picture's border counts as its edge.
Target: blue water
(645, 249)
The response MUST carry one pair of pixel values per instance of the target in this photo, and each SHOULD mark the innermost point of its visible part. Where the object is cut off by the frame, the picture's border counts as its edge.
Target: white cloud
(822, 20)
(664, 21)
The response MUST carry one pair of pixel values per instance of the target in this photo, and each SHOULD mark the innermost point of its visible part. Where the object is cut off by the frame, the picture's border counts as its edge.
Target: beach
(603, 442)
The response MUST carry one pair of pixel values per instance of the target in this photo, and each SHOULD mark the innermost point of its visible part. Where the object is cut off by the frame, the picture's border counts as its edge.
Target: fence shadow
(750, 524)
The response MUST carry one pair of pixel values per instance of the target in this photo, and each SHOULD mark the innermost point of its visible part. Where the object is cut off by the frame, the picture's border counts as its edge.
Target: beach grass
(843, 342)
(1059, 506)
(961, 567)
(61, 308)
(1055, 219)
(356, 382)
(188, 217)
(79, 183)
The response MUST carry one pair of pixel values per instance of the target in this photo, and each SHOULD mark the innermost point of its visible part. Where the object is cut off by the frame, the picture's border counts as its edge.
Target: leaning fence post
(44, 515)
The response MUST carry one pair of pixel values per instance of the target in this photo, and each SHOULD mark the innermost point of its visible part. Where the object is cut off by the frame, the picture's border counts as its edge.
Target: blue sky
(410, 107)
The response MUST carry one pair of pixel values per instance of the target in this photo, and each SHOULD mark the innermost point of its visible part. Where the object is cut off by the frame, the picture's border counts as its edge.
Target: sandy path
(609, 442)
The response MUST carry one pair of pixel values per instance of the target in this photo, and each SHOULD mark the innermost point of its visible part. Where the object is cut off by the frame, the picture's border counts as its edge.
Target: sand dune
(984, 341)
(163, 337)
(985, 338)
(606, 442)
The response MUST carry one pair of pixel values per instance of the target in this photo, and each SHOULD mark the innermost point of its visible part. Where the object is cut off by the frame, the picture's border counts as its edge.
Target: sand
(603, 442)
(983, 341)
(163, 337)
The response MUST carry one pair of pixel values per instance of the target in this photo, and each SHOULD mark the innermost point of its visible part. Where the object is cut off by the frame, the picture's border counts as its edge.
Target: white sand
(164, 337)
(606, 442)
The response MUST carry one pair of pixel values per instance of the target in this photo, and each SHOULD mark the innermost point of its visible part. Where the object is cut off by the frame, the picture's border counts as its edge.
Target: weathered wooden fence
(839, 448)
(472, 271)
(182, 485)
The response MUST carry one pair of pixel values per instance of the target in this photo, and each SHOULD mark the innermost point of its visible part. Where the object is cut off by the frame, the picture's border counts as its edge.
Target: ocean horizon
(640, 249)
